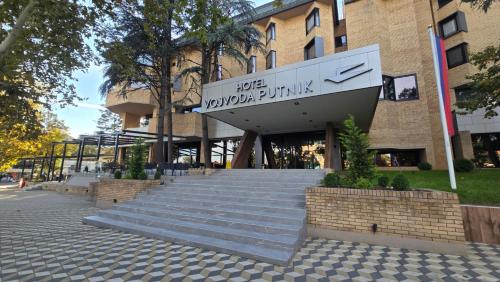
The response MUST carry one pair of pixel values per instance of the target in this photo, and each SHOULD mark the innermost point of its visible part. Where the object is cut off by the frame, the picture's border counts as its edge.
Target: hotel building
(392, 93)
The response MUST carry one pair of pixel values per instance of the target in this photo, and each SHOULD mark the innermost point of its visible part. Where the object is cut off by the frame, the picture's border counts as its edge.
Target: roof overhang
(300, 97)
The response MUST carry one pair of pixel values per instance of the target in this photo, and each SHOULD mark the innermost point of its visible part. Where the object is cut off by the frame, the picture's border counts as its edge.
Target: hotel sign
(346, 71)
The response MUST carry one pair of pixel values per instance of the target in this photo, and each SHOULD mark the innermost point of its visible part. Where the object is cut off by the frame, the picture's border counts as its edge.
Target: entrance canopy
(300, 97)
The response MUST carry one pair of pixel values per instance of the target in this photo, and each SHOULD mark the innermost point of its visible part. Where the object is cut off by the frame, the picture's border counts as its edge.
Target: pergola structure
(48, 162)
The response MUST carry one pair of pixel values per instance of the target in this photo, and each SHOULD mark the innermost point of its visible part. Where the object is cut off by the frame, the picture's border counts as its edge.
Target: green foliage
(400, 183)
(359, 159)
(383, 181)
(424, 166)
(363, 183)
(118, 174)
(480, 4)
(158, 174)
(331, 180)
(136, 159)
(463, 165)
(142, 175)
(109, 122)
(42, 43)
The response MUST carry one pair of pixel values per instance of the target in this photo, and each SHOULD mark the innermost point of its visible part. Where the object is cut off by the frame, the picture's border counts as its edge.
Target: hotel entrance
(302, 150)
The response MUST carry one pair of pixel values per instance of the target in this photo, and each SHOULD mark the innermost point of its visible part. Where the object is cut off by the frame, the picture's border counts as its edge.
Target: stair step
(248, 184)
(277, 202)
(278, 241)
(227, 212)
(252, 251)
(238, 187)
(219, 220)
(291, 210)
(298, 195)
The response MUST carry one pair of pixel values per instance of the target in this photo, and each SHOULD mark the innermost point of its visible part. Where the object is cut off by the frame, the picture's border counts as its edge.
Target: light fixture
(231, 112)
(304, 113)
(310, 120)
(296, 103)
(258, 126)
(246, 120)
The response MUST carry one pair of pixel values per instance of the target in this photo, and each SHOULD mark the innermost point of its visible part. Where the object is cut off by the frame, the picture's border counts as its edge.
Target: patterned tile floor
(42, 239)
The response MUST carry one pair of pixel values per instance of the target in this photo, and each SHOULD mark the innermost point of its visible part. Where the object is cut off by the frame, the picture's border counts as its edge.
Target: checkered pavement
(42, 239)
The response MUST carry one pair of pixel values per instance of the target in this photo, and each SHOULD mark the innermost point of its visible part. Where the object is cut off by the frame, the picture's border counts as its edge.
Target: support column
(50, 171)
(115, 157)
(333, 158)
(224, 153)
(463, 145)
(240, 158)
(268, 150)
(259, 160)
(62, 162)
(32, 168)
(99, 143)
(22, 170)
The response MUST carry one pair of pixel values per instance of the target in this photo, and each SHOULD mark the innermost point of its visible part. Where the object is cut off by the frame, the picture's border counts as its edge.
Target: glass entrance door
(304, 150)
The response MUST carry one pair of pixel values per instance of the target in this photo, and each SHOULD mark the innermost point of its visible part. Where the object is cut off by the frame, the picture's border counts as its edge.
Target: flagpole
(447, 145)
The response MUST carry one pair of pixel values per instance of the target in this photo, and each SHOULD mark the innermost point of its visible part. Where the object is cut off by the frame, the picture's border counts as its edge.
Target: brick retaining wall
(423, 215)
(110, 191)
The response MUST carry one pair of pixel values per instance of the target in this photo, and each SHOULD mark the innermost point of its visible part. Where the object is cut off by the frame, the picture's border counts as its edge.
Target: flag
(443, 83)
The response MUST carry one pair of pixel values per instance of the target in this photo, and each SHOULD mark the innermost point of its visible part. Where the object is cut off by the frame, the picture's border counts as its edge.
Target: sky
(81, 119)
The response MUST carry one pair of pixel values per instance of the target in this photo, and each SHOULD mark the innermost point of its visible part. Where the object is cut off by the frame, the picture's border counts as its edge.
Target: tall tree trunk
(205, 142)
(16, 29)
(168, 79)
(160, 158)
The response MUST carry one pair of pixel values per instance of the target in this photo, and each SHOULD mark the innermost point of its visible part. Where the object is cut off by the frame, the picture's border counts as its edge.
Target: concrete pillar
(240, 158)
(464, 149)
(333, 158)
(259, 160)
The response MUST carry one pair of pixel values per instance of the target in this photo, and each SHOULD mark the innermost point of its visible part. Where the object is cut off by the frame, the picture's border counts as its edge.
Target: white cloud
(89, 106)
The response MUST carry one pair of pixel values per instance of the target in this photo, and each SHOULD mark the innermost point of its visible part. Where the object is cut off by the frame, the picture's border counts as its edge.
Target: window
(271, 60)
(219, 72)
(312, 20)
(463, 93)
(190, 109)
(457, 55)
(341, 41)
(397, 158)
(271, 33)
(399, 88)
(441, 3)
(252, 64)
(339, 10)
(314, 49)
(453, 24)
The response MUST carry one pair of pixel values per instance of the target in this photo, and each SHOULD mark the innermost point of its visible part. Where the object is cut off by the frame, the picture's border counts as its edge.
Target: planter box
(112, 191)
(422, 220)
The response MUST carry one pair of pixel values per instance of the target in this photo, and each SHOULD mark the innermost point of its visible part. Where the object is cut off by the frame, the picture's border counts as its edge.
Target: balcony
(138, 103)
(184, 125)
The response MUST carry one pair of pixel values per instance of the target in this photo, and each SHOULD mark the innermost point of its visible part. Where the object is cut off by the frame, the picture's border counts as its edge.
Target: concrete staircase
(258, 214)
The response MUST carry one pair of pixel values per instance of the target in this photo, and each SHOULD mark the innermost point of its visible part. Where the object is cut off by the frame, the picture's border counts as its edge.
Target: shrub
(400, 183)
(118, 174)
(359, 158)
(383, 181)
(136, 160)
(158, 174)
(424, 166)
(331, 180)
(463, 165)
(363, 183)
(142, 175)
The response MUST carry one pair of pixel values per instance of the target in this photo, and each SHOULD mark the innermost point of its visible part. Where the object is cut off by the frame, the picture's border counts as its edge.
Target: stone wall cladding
(424, 215)
(109, 191)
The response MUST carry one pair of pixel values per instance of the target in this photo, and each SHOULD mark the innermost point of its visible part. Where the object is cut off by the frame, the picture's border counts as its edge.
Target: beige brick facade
(434, 216)
(398, 26)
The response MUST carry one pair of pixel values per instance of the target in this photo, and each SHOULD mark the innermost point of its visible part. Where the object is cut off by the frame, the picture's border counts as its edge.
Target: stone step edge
(273, 216)
(282, 258)
(224, 220)
(268, 199)
(284, 241)
(218, 190)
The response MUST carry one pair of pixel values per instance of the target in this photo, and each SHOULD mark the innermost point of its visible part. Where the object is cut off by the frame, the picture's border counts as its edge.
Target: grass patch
(479, 187)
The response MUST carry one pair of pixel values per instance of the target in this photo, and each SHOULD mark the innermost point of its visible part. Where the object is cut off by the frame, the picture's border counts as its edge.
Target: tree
(136, 160)
(218, 26)
(41, 45)
(480, 4)
(14, 145)
(109, 122)
(359, 159)
(137, 47)
(485, 83)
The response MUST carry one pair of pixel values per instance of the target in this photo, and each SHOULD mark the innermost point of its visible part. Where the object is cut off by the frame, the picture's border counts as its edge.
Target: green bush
(424, 166)
(142, 175)
(360, 160)
(463, 165)
(400, 183)
(363, 183)
(158, 174)
(118, 174)
(383, 181)
(331, 180)
(137, 159)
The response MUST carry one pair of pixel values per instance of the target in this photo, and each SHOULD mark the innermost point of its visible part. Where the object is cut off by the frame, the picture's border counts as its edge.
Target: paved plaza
(42, 239)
